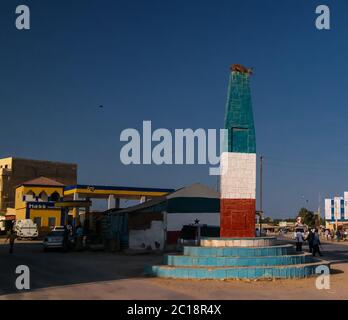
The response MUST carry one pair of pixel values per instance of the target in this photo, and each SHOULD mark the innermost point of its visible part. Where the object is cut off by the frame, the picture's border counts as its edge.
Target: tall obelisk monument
(238, 162)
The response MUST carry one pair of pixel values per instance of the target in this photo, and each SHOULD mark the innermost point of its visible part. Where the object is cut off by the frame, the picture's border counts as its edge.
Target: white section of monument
(238, 181)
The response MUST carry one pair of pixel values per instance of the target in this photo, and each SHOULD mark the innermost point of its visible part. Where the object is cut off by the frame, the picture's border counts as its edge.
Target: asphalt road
(55, 268)
(100, 275)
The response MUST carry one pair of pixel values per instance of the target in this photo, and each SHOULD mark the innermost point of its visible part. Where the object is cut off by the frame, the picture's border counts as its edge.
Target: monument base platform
(238, 242)
(237, 258)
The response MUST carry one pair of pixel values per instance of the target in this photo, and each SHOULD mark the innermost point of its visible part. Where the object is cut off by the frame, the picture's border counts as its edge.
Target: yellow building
(35, 199)
(15, 171)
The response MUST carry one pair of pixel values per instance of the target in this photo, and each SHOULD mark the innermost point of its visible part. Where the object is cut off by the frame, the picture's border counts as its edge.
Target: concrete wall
(141, 239)
(144, 233)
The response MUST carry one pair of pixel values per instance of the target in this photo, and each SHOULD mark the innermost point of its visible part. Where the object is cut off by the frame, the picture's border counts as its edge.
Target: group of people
(312, 238)
(331, 235)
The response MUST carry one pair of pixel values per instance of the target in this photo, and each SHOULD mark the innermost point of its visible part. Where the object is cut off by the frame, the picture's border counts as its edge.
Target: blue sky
(168, 62)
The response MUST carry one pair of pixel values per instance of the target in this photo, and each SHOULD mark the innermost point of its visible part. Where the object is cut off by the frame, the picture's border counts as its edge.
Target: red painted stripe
(237, 218)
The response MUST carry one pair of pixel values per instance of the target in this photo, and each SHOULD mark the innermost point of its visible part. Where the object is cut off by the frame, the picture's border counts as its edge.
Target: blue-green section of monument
(239, 120)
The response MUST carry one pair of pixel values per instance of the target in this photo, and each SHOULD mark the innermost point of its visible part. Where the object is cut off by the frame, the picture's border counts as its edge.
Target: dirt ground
(100, 275)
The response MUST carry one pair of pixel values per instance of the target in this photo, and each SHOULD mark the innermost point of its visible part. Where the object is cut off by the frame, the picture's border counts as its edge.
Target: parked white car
(26, 229)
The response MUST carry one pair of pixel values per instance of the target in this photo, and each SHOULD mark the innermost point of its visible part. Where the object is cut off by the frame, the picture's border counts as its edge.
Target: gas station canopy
(103, 192)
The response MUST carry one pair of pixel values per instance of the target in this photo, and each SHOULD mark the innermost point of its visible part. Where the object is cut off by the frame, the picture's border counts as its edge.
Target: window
(51, 222)
(43, 196)
(55, 196)
(30, 196)
(37, 220)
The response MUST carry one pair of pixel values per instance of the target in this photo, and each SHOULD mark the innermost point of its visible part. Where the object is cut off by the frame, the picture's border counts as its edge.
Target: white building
(336, 210)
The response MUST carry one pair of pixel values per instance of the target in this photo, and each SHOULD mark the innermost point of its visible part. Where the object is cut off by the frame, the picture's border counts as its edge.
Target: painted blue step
(223, 273)
(281, 250)
(180, 260)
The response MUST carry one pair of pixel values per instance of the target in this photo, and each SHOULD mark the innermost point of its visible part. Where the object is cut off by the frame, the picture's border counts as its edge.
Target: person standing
(11, 236)
(299, 240)
(66, 239)
(79, 236)
(316, 243)
(338, 235)
(310, 240)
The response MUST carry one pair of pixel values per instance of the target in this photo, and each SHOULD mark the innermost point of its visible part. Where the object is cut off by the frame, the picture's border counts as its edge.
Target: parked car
(55, 240)
(26, 229)
(191, 234)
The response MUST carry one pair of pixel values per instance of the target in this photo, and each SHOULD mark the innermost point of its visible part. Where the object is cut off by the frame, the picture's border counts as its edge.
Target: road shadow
(335, 271)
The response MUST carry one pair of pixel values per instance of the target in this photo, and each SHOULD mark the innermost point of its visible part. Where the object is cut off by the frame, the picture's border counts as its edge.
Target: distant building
(336, 211)
(15, 171)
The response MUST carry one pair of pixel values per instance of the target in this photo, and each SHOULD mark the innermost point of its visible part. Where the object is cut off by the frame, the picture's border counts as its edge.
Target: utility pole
(317, 222)
(261, 184)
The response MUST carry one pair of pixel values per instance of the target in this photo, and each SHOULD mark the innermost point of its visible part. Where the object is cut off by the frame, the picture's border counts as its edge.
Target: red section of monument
(237, 218)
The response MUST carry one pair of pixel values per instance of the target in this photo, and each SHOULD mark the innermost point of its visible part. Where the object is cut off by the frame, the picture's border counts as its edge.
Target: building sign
(40, 205)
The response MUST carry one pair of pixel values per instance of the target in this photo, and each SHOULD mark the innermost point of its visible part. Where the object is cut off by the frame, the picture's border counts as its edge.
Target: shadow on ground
(48, 269)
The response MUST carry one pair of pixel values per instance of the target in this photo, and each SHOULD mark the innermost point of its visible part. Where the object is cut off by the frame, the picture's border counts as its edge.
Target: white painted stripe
(238, 179)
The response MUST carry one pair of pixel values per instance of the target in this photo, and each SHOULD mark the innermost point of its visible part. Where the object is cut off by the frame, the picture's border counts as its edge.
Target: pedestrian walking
(316, 243)
(11, 236)
(299, 240)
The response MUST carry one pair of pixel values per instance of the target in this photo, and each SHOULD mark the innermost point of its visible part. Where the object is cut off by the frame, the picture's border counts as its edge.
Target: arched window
(29, 196)
(43, 197)
(55, 196)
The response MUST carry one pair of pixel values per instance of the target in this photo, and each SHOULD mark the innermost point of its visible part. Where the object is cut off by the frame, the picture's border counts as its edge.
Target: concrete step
(224, 273)
(181, 260)
(280, 250)
(238, 242)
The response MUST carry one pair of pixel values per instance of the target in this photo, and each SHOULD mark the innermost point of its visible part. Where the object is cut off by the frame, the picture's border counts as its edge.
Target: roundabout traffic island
(237, 258)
